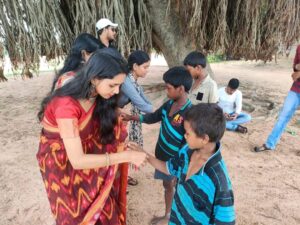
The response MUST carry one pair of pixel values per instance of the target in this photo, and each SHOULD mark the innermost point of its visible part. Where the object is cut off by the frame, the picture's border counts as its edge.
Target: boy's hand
(125, 116)
(227, 116)
(233, 116)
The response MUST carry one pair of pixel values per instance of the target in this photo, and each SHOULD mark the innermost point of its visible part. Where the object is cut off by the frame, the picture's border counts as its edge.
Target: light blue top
(130, 94)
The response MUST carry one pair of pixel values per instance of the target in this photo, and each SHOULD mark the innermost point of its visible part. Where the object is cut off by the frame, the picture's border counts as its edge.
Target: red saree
(94, 196)
(64, 78)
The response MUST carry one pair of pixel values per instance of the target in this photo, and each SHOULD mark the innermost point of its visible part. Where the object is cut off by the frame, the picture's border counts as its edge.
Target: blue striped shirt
(171, 133)
(206, 197)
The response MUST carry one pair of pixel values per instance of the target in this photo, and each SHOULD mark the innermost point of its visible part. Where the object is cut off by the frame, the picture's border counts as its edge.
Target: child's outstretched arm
(128, 117)
(156, 163)
(153, 117)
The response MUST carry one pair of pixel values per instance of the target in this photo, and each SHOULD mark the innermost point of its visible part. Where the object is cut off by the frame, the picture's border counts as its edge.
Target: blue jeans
(290, 105)
(241, 118)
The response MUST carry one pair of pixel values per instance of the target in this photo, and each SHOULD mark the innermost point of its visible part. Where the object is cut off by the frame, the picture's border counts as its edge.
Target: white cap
(104, 23)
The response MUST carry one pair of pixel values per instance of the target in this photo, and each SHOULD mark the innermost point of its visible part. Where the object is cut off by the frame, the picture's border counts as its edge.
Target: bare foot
(159, 220)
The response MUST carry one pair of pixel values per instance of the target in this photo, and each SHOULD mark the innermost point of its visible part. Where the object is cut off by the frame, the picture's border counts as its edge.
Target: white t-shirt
(230, 103)
(207, 90)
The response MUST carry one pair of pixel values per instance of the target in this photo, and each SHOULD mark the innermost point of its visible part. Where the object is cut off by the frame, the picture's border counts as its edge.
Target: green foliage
(215, 58)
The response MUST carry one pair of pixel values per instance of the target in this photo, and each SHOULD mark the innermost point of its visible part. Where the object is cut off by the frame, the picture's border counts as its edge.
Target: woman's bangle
(107, 159)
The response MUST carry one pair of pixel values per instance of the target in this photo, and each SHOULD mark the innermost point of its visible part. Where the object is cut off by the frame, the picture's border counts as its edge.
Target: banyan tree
(249, 29)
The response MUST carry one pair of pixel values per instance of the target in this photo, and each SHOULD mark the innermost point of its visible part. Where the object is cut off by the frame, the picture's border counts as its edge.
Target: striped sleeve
(173, 166)
(153, 117)
(224, 209)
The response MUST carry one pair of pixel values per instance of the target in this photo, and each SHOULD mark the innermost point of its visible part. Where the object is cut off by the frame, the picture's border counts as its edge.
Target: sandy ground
(266, 185)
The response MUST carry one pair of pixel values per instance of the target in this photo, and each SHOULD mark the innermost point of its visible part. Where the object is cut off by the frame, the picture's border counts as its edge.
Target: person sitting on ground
(106, 32)
(171, 137)
(230, 100)
(204, 192)
(290, 105)
(82, 49)
(204, 88)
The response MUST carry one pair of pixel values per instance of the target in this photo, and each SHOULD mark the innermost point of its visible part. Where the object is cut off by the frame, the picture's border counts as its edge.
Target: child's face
(191, 138)
(229, 90)
(172, 92)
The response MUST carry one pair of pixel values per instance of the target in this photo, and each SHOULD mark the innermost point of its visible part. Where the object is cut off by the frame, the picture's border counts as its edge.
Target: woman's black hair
(74, 60)
(139, 57)
(99, 66)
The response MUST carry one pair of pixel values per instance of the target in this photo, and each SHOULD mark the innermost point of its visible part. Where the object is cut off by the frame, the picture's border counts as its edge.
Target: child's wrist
(140, 118)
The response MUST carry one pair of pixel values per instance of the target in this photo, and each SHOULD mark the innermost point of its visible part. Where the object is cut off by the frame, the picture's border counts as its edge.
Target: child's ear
(206, 139)
(199, 68)
(134, 67)
(182, 90)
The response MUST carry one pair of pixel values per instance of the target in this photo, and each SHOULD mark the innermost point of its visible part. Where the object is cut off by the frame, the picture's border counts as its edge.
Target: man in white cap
(106, 32)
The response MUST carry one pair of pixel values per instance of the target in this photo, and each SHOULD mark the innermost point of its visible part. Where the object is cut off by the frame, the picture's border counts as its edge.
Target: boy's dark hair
(177, 76)
(234, 83)
(206, 119)
(194, 59)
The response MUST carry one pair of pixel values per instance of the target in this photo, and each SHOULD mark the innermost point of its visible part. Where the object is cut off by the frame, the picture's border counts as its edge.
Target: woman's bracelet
(107, 159)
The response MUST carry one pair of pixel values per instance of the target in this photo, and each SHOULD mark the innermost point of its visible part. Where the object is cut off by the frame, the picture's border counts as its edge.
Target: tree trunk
(2, 77)
(167, 34)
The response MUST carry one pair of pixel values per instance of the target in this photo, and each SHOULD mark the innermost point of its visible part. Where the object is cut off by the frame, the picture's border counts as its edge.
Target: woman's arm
(136, 99)
(80, 160)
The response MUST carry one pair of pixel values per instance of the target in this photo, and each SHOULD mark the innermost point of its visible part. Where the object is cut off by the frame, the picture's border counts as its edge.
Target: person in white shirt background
(230, 100)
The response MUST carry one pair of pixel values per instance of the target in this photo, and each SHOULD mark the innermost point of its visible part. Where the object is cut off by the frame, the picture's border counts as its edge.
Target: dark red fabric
(296, 84)
(74, 194)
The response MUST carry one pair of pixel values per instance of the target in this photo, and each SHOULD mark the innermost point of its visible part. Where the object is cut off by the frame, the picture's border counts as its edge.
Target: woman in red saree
(81, 154)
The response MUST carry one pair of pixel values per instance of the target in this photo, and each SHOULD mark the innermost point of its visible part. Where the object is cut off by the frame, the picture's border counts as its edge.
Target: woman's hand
(138, 156)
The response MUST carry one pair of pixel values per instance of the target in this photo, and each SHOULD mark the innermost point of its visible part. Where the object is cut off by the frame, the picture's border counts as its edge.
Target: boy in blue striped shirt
(203, 192)
(171, 136)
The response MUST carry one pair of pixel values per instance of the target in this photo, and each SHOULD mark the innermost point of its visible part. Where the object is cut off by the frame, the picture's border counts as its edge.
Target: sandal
(242, 129)
(131, 181)
(261, 148)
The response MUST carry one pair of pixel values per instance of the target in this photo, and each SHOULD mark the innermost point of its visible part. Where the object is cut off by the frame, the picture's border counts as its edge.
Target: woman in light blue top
(138, 63)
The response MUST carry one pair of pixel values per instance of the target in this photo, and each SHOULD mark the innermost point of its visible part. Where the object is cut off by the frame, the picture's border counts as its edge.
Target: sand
(266, 185)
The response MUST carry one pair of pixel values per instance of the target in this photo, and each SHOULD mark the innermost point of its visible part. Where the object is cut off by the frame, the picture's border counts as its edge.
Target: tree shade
(239, 28)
